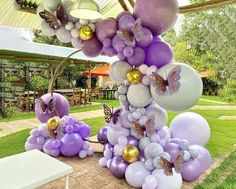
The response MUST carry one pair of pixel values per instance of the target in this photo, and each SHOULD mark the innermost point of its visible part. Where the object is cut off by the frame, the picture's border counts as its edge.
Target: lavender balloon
(92, 47)
(102, 134)
(123, 14)
(61, 105)
(126, 22)
(146, 39)
(172, 149)
(157, 15)
(191, 170)
(118, 167)
(84, 130)
(132, 141)
(137, 58)
(159, 54)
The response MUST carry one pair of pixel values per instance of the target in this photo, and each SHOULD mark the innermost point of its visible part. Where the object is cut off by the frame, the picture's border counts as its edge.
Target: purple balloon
(146, 39)
(118, 167)
(137, 58)
(84, 130)
(124, 119)
(122, 14)
(172, 149)
(109, 51)
(64, 35)
(141, 157)
(132, 141)
(118, 44)
(157, 39)
(107, 42)
(69, 129)
(76, 43)
(48, 145)
(128, 51)
(92, 47)
(204, 157)
(61, 104)
(102, 134)
(71, 144)
(126, 22)
(159, 54)
(31, 140)
(29, 146)
(108, 146)
(56, 143)
(55, 152)
(191, 170)
(157, 15)
(121, 56)
(106, 29)
(175, 140)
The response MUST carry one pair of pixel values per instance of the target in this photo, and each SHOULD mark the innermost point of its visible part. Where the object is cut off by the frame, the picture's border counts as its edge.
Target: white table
(31, 169)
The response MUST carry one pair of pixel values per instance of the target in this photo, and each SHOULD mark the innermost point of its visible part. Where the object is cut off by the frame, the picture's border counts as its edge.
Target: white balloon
(113, 134)
(40, 8)
(67, 4)
(119, 70)
(159, 113)
(192, 127)
(69, 26)
(46, 29)
(50, 5)
(188, 94)
(76, 43)
(153, 150)
(136, 173)
(64, 35)
(139, 95)
(144, 142)
(170, 182)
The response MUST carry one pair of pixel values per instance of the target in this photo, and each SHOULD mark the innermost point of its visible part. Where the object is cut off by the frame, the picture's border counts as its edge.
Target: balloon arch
(138, 146)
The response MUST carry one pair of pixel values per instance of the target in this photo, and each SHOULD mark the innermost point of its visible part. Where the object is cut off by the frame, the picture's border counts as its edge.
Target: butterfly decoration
(57, 133)
(148, 127)
(46, 108)
(111, 115)
(172, 81)
(135, 34)
(55, 21)
(167, 166)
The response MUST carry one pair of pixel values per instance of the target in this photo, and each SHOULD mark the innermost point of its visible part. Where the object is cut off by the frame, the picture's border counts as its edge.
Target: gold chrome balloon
(134, 76)
(85, 32)
(53, 123)
(130, 154)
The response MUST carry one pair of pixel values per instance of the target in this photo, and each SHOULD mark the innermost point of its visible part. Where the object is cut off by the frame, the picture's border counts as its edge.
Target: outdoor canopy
(99, 71)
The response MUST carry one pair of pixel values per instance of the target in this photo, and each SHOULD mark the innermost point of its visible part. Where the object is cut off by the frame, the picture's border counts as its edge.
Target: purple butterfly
(138, 30)
(172, 81)
(46, 108)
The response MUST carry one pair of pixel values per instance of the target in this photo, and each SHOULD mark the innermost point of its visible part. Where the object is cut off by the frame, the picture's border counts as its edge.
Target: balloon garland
(138, 146)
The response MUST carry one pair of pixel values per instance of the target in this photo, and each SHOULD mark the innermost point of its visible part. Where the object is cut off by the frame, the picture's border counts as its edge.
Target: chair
(77, 96)
(86, 97)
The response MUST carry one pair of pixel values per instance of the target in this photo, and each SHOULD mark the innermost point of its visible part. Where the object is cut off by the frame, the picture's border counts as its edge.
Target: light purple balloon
(157, 39)
(71, 144)
(109, 51)
(191, 170)
(159, 54)
(121, 56)
(118, 44)
(108, 154)
(69, 129)
(118, 167)
(132, 141)
(55, 152)
(122, 14)
(29, 146)
(76, 43)
(43, 129)
(106, 29)
(84, 130)
(107, 42)
(31, 140)
(62, 106)
(172, 149)
(35, 132)
(92, 47)
(146, 39)
(124, 119)
(175, 140)
(64, 36)
(102, 134)
(128, 51)
(48, 145)
(204, 157)
(56, 143)
(137, 58)
(40, 140)
(157, 15)
(108, 146)
(126, 22)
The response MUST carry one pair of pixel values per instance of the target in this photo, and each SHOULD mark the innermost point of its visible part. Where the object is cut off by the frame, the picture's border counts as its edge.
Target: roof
(18, 42)
(99, 71)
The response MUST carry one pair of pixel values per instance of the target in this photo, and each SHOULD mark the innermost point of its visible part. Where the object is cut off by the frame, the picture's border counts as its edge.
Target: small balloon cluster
(58, 133)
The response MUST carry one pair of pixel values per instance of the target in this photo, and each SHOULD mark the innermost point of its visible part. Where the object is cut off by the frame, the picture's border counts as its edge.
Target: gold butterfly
(109, 115)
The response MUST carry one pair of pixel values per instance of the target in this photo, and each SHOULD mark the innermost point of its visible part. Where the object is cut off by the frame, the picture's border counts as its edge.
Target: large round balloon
(118, 167)
(192, 127)
(61, 105)
(92, 47)
(159, 54)
(136, 173)
(119, 70)
(139, 95)
(191, 170)
(186, 87)
(46, 30)
(113, 134)
(157, 15)
(167, 182)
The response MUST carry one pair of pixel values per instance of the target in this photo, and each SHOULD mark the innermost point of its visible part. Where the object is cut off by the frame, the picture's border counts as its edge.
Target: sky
(181, 17)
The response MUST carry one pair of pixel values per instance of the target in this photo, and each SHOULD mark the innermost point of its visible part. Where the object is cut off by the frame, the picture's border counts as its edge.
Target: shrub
(38, 83)
(9, 111)
(228, 92)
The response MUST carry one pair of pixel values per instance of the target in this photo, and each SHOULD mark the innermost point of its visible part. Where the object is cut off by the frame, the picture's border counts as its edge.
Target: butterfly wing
(107, 113)
(125, 36)
(178, 162)
(51, 134)
(166, 165)
(60, 11)
(159, 83)
(173, 79)
(43, 106)
(115, 115)
(138, 30)
(60, 131)
(50, 19)
(150, 126)
(51, 105)
(138, 130)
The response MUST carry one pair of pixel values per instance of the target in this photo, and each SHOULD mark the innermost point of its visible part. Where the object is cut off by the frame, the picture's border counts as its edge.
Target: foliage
(9, 111)
(63, 83)
(11, 78)
(228, 92)
(38, 83)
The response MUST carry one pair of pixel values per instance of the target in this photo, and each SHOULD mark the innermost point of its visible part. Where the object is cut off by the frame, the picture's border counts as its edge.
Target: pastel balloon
(92, 47)
(192, 127)
(122, 14)
(61, 105)
(153, 150)
(118, 44)
(159, 113)
(146, 38)
(136, 173)
(50, 5)
(118, 167)
(102, 134)
(124, 119)
(84, 130)
(76, 43)
(139, 95)
(119, 70)
(204, 157)
(170, 182)
(172, 149)
(29, 146)
(187, 95)
(191, 170)
(126, 22)
(137, 58)
(159, 54)
(132, 141)
(106, 29)
(165, 12)
(46, 29)
(113, 134)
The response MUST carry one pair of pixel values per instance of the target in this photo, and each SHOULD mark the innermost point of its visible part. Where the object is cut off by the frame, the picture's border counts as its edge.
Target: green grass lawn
(223, 177)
